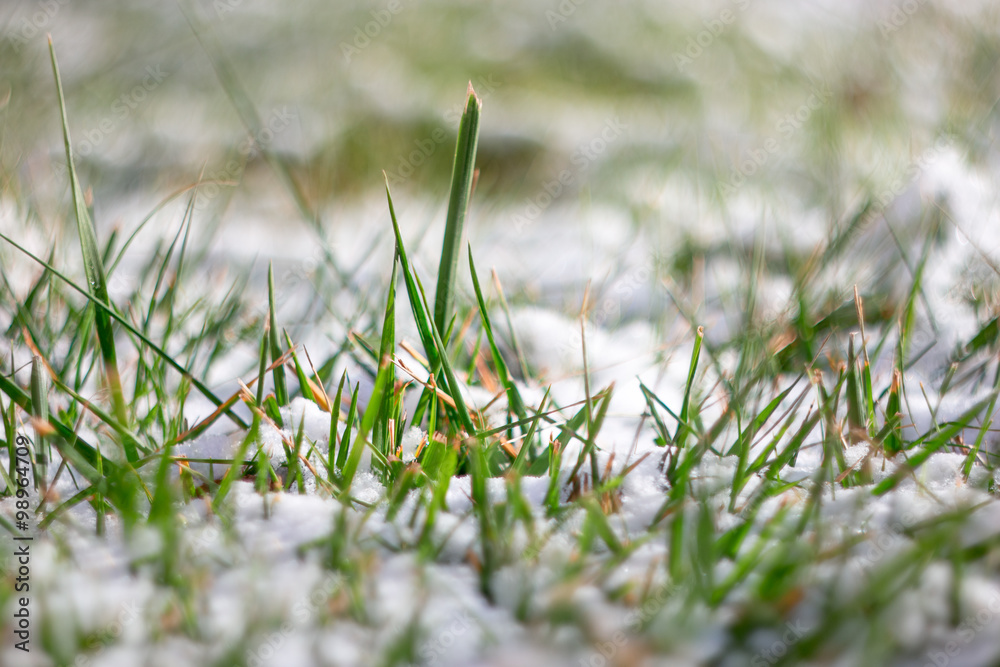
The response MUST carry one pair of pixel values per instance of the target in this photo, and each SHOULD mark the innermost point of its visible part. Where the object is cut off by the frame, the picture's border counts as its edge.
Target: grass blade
(280, 388)
(458, 205)
(40, 415)
(94, 267)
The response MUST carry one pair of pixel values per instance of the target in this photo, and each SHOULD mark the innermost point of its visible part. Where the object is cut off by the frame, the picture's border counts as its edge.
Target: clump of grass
(758, 562)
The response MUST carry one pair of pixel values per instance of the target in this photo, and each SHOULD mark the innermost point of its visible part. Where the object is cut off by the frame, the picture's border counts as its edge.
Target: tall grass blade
(280, 388)
(94, 267)
(462, 175)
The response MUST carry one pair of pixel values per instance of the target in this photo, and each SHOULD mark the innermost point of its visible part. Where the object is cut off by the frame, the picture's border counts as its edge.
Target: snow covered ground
(673, 204)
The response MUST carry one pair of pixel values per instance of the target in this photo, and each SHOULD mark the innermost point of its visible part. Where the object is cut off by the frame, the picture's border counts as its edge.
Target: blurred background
(672, 153)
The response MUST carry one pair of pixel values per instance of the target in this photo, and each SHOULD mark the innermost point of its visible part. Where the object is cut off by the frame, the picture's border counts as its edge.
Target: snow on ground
(261, 590)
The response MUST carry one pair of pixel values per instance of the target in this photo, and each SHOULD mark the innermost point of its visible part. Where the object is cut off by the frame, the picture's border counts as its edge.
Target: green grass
(743, 399)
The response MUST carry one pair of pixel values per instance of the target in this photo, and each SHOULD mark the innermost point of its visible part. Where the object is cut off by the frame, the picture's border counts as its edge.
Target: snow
(263, 589)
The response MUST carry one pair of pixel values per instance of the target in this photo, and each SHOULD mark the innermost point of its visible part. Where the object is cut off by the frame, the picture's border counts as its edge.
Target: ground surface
(808, 491)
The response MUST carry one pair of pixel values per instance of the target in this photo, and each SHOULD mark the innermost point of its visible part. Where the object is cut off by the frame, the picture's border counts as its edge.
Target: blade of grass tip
(908, 319)
(352, 415)
(420, 314)
(94, 267)
(682, 428)
(316, 381)
(331, 452)
(161, 277)
(893, 442)
(156, 209)
(462, 173)
(280, 389)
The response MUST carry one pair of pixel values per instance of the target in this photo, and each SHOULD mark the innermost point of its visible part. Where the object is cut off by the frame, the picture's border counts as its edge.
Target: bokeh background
(670, 153)
(742, 165)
